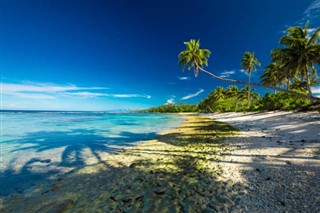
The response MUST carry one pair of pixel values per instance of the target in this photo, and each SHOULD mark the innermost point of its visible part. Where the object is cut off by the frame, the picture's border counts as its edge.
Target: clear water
(36, 146)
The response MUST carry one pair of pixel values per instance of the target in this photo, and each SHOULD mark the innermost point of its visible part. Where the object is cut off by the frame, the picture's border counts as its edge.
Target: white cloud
(171, 100)
(311, 14)
(9, 88)
(226, 74)
(128, 96)
(183, 78)
(244, 72)
(314, 6)
(192, 95)
(32, 90)
(35, 96)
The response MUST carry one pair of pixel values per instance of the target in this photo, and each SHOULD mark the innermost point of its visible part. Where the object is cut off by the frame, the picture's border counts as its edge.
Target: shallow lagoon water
(38, 146)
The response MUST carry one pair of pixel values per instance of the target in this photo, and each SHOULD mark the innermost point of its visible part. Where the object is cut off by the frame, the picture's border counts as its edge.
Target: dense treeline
(291, 72)
(173, 108)
(233, 99)
(295, 61)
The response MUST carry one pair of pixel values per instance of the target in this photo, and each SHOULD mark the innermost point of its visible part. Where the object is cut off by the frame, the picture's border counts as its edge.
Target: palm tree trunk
(259, 85)
(210, 109)
(249, 73)
(288, 84)
(308, 85)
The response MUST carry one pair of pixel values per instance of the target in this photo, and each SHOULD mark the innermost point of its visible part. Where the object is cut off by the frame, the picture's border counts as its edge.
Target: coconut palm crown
(193, 56)
(300, 53)
(249, 63)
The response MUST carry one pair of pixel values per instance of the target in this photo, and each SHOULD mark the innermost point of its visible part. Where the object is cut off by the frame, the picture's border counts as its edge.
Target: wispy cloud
(171, 100)
(182, 78)
(311, 14)
(192, 95)
(314, 6)
(42, 87)
(226, 74)
(129, 96)
(32, 90)
(243, 71)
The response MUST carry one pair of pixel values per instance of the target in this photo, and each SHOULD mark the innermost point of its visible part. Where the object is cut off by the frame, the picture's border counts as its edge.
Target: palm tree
(249, 62)
(299, 56)
(218, 93)
(195, 58)
(232, 91)
(271, 76)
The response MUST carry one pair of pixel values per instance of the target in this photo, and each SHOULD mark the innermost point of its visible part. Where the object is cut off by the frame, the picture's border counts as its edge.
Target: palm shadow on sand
(73, 143)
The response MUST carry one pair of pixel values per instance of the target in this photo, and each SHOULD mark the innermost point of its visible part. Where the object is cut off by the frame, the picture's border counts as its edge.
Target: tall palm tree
(249, 63)
(194, 56)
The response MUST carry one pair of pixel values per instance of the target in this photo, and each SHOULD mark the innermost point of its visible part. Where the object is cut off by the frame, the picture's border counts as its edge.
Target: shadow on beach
(49, 155)
(174, 172)
(278, 155)
(181, 171)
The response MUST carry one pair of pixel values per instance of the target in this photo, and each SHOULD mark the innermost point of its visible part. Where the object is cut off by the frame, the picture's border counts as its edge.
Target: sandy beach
(177, 171)
(270, 162)
(276, 158)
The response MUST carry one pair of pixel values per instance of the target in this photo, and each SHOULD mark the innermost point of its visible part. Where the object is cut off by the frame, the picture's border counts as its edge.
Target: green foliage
(234, 99)
(282, 101)
(173, 108)
(193, 56)
(228, 100)
(296, 60)
(249, 62)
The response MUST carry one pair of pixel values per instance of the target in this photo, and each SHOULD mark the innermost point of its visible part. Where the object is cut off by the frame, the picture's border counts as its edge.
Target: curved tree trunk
(259, 85)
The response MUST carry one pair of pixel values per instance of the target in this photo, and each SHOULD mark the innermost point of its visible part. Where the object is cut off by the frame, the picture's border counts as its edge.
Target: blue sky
(121, 54)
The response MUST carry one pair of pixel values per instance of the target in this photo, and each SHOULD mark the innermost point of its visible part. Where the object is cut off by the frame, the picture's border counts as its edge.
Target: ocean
(37, 145)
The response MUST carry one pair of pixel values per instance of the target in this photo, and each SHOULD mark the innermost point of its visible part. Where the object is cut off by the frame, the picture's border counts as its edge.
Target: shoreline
(271, 165)
(176, 170)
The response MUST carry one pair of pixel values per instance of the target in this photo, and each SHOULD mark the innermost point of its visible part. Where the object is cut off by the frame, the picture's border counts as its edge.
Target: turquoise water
(37, 146)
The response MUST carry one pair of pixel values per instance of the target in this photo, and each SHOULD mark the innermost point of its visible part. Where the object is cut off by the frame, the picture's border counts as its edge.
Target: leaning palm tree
(195, 58)
(249, 63)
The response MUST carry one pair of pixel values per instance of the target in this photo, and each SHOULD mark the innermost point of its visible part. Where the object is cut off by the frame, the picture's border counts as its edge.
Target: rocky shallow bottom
(176, 172)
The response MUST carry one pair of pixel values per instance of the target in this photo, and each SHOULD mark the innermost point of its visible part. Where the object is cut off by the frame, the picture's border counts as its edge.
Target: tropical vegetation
(291, 73)
(296, 60)
(249, 63)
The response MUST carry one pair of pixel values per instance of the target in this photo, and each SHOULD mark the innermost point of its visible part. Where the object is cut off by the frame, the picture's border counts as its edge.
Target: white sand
(276, 158)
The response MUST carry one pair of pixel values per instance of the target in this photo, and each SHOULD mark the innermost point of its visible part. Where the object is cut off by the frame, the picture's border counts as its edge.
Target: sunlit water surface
(35, 146)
